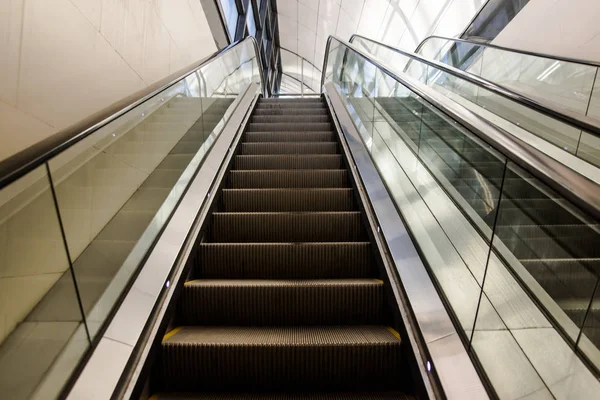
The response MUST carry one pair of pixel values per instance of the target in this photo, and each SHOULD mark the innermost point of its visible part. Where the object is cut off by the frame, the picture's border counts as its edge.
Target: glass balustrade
(566, 85)
(74, 231)
(516, 262)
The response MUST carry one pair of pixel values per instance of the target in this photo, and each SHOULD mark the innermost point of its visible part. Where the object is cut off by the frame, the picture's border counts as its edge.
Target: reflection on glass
(567, 85)
(499, 243)
(33, 259)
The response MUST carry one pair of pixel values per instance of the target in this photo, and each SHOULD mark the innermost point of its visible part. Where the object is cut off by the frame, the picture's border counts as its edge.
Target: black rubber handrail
(576, 188)
(36, 155)
(589, 63)
(576, 120)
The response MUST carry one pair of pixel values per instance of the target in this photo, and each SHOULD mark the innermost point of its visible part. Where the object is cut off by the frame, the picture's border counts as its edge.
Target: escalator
(286, 296)
(376, 242)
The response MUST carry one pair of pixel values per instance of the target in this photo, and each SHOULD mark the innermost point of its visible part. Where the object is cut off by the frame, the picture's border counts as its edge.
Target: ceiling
(304, 25)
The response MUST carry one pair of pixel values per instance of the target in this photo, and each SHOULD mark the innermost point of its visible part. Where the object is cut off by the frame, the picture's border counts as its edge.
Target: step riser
(294, 127)
(289, 136)
(285, 261)
(246, 162)
(285, 396)
(284, 305)
(189, 368)
(289, 148)
(290, 111)
(286, 107)
(286, 227)
(289, 119)
(288, 179)
(287, 200)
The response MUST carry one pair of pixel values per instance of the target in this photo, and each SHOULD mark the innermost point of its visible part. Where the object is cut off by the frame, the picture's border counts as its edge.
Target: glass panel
(230, 14)
(40, 343)
(250, 20)
(507, 252)
(398, 129)
(567, 85)
(494, 16)
(549, 247)
(300, 73)
(117, 188)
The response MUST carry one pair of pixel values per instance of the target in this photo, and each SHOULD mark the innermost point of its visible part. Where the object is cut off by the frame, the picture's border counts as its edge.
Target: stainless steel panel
(101, 374)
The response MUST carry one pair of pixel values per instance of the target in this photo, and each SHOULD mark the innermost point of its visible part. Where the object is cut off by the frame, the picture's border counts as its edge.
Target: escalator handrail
(575, 187)
(26, 160)
(588, 63)
(576, 120)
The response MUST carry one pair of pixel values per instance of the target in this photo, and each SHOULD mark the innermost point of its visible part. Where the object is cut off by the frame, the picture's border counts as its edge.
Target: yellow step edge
(394, 332)
(171, 333)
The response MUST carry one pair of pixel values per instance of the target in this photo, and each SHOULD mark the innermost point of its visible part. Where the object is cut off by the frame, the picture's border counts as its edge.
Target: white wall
(62, 60)
(566, 28)
(304, 25)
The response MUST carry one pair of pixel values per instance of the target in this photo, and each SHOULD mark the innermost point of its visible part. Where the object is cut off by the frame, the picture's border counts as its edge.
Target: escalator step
(285, 260)
(276, 200)
(291, 111)
(294, 106)
(281, 302)
(275, 358)
(325, 178)
(303, 100)
(541, 248)
(289, 161)
(289, 148)
(284, 396)
(588, 267)
(289, 119)
(290, 136)
(549, 231)
(578, 311)
(287, 227)
(289, 126)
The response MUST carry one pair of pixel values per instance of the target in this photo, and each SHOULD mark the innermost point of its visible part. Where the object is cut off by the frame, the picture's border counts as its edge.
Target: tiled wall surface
(29, 233)
(63, 60)
(566, 28)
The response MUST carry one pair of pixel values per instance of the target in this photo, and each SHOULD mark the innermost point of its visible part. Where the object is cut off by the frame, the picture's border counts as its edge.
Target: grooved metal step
(290, 178)
(287, 227)
(289, 148)
(290, 136)
(294, 106)
(288, 161)
(276, 200)
(285, 396)
(307, 99)
(282, 302)
(285, 260)
(271, 358)
(289, 119)
(289, 126)
(291, 111)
